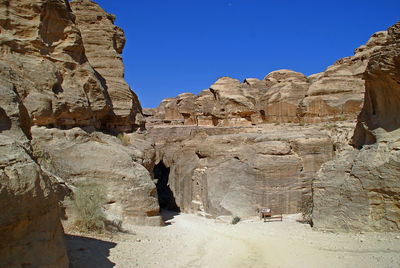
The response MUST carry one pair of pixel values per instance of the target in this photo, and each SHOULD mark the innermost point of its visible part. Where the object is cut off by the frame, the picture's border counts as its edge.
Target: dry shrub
(306, 209)
(88, 202)
(125, 140)
(235, 220)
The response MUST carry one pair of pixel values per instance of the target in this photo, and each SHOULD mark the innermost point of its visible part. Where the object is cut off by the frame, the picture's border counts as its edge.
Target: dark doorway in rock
(166, 197)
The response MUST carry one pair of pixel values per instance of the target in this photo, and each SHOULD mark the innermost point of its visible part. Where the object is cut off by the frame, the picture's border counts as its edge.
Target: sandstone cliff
(235, 161)
(30, 216)
(282, 96)
(56, 110)
(104, 43)
(236, 171)
(359, 190)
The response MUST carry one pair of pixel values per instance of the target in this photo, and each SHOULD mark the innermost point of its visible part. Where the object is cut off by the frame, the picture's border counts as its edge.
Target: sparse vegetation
(40, 154)
(329, 127)
(125, 140)
(88, 202)
(235, 220)
(341, 118)
(95, 137)
(301, 124)
(277, 123)
(306, 209)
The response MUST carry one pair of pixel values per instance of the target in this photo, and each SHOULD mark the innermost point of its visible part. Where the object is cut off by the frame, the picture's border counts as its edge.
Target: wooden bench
(268, 215)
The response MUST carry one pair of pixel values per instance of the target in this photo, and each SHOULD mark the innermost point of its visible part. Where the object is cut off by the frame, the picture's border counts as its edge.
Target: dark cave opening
(166, 197)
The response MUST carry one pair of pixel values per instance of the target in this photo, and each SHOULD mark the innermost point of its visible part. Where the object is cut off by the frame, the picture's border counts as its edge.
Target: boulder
(118, 166)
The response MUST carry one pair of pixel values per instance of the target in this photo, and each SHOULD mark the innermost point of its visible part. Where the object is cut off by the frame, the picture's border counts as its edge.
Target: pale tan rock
(46, 80)
(339, 91)
(30, 216)
(231, 171)
(44, 57)
(282, 96)
(104, 43)
(234, 105)
(78, 156)
(359, 189)
(281, 101)
(204, 105)
(43, 47)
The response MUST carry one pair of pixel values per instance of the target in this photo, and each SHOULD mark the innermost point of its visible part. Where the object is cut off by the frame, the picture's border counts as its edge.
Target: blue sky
(181, 46)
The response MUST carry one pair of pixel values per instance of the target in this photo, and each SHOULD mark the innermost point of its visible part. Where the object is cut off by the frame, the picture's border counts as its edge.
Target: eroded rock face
(104, 43)
(339, 91)
(43, 55)
(228, 171)
(101, 159)
(359, 190)
(42, 50)
(51, 94)
(30, 216)
(282, 96)
(221, 167)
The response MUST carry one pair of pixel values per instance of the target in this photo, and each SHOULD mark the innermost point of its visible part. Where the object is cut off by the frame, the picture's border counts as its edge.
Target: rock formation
(64, 100)
(236, 171)
(233, 163)
(119, 168)
(339, 91)
(30, 216)
(359, 189)
(57, 110)
(104, 43)
(282, 96)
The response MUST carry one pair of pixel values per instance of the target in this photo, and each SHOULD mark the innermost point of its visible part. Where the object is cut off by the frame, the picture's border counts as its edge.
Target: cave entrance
(166, 197)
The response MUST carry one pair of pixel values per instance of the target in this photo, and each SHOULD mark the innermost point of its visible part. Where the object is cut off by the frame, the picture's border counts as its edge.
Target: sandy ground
(194, 241)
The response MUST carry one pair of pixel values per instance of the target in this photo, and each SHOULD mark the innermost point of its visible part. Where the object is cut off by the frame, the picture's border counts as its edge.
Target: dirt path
(193, 241)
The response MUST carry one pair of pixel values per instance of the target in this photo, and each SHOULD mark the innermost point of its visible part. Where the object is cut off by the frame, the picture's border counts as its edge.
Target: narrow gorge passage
(166, 197)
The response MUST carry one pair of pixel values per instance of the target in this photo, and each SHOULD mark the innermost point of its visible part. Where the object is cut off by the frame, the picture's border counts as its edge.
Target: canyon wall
(30, 215)
(237, 147)
(237, 171)
(230, 150)
(359, 189)
(60, 111)
(104, 43)
(282, 96)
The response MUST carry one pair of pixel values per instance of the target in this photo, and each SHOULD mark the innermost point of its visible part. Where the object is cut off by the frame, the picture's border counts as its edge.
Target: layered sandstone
(30, 216)
(54, 99)
(236, 171)
(104, 43)
(221, 167)
(60, 87)
(282, 96)
(339, 90)
(42, 46)
(359, 189)
(122, 169)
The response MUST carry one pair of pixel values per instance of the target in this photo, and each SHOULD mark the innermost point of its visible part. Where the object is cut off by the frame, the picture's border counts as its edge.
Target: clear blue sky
(185, 45)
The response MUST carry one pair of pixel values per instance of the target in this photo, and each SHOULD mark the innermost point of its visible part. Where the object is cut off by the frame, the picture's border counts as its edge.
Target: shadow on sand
(86, 252)
(168, 216)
